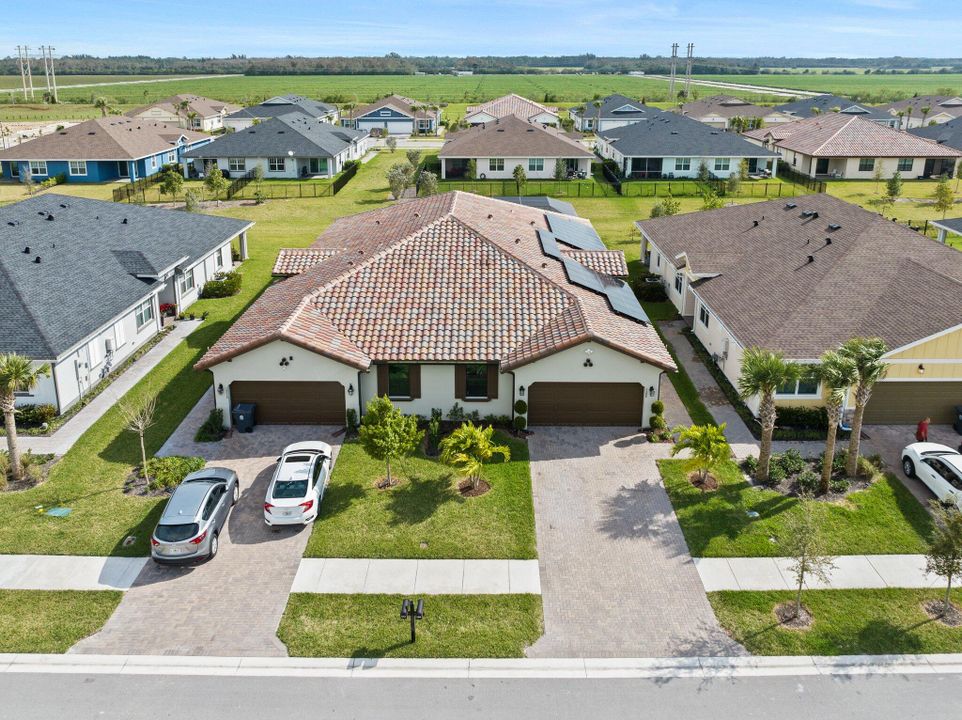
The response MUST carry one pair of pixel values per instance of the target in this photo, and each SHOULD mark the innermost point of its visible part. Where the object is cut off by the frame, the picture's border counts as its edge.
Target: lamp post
(414, 612)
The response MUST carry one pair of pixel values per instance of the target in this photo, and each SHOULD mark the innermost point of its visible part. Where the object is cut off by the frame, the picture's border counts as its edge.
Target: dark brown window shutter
(460, 382)
(381, 380)
(414, 377)
(493, 377)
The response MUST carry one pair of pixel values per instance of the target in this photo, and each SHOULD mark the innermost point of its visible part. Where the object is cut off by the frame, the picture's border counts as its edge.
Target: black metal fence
(695, 188)
(239, 184)
(136, 191)
(787, 172)
(554, 188)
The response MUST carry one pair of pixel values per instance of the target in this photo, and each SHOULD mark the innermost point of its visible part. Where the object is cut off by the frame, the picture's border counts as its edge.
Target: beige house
(801, 277)
(511, 105)
(193, 112)
(719, 110)
(923, 110)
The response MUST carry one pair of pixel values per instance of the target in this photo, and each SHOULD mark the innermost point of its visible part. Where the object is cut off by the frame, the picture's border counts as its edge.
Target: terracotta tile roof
(204, 106)
(875, 278)
(608, 262)
(515, 105)
(454, 277)
(841, 135)
(512, 137)
(294, 261)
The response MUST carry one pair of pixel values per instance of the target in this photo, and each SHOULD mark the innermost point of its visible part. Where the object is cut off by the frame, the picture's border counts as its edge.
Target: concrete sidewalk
(850, 572)
(68, 572)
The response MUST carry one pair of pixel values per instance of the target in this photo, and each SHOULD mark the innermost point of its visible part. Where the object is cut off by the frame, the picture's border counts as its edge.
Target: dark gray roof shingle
(949, 133)
(825, 104)
(282, 105)
(614, 107)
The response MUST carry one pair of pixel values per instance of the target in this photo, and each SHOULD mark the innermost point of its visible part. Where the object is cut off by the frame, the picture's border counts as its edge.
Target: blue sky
(485, 27)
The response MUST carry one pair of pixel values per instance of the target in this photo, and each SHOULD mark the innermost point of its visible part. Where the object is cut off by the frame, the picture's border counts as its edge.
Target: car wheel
(236, 494)
(214, 542)
(908, 467)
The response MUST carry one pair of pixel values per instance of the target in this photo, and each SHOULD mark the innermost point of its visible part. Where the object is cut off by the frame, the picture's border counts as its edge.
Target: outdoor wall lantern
(220, 388)
(521, 390)
(350, 388)
(414, 612)
(921, 369)
(651, 390)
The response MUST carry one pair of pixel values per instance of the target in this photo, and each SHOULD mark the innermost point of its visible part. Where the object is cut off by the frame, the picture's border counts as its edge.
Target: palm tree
(708, 447)
(182, 106)
(837, 373)
(867, 354)
(17, 374)
(908, 116)
(901, 114)
(763, 373)
(925, 110)
(101, 104)
(468, 449)
(816, 110)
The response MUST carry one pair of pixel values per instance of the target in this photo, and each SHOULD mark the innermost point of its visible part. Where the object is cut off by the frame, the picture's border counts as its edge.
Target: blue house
(101, 150)
(394, 115)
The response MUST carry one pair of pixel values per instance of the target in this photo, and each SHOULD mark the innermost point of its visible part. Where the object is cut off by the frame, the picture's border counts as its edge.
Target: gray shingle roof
(296, 132)
(949, 133)
(612, 103)
(667, 134)
(88, 257)
(953, 225)
(282, 105)
(803, 108)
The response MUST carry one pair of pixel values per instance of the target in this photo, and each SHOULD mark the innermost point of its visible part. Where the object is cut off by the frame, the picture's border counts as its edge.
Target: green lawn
(846, 622)
(49, 621)
(884, 518)
(370, 626)
(90, 477)
(687, 392)
(358, 520)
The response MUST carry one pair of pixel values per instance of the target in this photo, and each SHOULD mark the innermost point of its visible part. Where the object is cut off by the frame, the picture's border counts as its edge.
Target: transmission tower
(691, 52)
(671, 79)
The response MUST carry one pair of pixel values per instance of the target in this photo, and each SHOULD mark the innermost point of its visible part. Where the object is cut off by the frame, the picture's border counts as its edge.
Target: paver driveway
(233, 604)
(617, 579)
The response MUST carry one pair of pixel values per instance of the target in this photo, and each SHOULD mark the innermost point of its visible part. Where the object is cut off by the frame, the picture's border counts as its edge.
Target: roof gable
(512, 137)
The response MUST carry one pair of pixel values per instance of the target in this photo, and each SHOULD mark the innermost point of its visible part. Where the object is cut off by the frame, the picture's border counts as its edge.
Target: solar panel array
(549, 246)
(620, 296)
(574, 233)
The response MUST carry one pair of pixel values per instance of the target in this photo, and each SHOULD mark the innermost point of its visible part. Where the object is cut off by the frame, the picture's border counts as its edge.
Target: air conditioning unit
(109, 344)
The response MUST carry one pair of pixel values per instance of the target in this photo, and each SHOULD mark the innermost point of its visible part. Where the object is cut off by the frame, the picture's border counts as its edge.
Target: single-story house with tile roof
(803, 276)
(281, 105)
(82, 282)
(948, 134)
(718, 111)
(669, 145)
(454, 298)
(101, 150)
(847, 146)
(948, 226)
(938, 109)
(289, 146)
(825, 104)
(500, 146)
(394, 115)
(514, 106)
(187, 111)
(611, 112)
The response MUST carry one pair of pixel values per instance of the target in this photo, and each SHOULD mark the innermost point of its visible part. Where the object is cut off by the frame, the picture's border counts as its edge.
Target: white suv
(939, 467)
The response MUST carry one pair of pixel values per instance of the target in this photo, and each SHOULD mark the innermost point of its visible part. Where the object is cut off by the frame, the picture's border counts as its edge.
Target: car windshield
(298, 459)
(176, 533)
(285, 489)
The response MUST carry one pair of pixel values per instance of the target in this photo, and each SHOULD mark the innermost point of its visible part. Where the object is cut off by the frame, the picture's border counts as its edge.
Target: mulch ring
(468, 489)
(785, 614)
(709, 483)
(32, 478)
(935, 610)
(136, 485)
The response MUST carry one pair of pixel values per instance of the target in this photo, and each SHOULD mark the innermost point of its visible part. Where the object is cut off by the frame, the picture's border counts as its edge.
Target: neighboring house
(948, 134)
(949, 226)
(450, 299)
(394, 115)
(281, 105)
(508, 106)
(609, 113)
(500, 146)
(82, 282)
(826, 104)
(802, 276)
(719, 110)
(846, 146)
(101, 150)
(186, 111)
(668, 145)
(938, 109)
(289, 146)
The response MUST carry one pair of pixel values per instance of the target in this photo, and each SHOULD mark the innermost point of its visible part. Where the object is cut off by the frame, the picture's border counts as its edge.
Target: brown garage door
(909, 402)
(292, 403)
(585, 403)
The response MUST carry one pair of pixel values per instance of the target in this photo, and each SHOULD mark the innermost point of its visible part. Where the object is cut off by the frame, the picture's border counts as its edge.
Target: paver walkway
(616, 576)
(64, 438)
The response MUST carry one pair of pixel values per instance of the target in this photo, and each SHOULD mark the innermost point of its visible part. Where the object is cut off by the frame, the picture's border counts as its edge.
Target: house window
(38, 167)
(807, 385)
(905, 164)
(475, 382)
(703, 315)
(94, 356)
(496, 164)
(535, 164)
(153, 163)
(679, 282)
(276, 164)
(658, 260)
(399, 381)
(186, 282)
(682, 163)
(78, 167)
(866, 164)
(219, 259)
(723, 164)
(14, 169)
(171, 157)
(236, 164)
(144, 313)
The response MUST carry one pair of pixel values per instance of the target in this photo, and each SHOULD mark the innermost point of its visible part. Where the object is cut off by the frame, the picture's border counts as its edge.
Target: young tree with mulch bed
(709, 449)
(468, 448)
(944, 554)
(388, 434)
(17, 374)
(802, 542)
(138, 417)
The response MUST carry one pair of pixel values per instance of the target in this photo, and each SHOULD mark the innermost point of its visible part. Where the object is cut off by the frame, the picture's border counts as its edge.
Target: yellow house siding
(944, 347)
(910, 371)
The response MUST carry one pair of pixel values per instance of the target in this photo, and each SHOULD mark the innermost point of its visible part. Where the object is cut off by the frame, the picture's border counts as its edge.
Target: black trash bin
(243, 417)
(958, 419)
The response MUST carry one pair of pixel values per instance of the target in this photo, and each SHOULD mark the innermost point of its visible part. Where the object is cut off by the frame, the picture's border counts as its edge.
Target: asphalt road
(130, 697)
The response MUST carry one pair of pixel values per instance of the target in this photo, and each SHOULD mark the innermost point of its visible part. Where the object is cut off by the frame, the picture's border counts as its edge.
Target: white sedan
(939, 467)
(294, 495)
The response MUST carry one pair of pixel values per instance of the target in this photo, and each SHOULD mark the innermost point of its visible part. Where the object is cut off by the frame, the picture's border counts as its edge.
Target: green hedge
(223, 284)
(168, 472)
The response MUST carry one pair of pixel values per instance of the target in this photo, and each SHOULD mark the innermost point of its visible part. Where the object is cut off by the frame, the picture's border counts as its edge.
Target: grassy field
(424, 516)
(471, 626)
(878, 88)
(48, 621)
(883, 518)
(846, 622)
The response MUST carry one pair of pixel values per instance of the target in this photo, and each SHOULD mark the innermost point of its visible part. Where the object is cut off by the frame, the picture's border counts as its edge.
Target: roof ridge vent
(791, 206)
(811, 259)
(26, 250)
(828, 241)
(834, 226)
(36, 260)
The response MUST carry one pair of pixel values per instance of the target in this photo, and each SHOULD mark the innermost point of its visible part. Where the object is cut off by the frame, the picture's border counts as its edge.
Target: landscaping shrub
(521, 407)
(803, 418)
(168, 472)
(223, 284)
(649, 291)
(658, 422)
(808, 482)
(456, 413)
(776, 473)
(749, 465)
(791, 461)
(658, 407)
(34, 415)
(520, 422)
(839, 485)
(352, 422)
(497, 420)
(213, 428)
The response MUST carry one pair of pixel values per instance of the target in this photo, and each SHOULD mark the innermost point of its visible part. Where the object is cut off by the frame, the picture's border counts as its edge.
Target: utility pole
(671, 80)
(26, 60)
(46, 70)
(691, 52)
(53, 75)
(23, 71)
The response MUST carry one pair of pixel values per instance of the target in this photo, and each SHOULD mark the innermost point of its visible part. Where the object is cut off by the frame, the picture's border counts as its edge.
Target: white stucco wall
(437, 391)
(584, 165)
(674, 165)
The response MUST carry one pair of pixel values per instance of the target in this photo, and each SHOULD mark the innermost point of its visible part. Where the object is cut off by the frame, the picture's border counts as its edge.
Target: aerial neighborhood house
(946, 227)
(511, 105)
(114, 265)
(394, 115)
(923, 110)
(448, 299)
(668, 145)
(281, 105)
(607, 113)
(719, 111)
(498, 147)
(187, 111)
(101, 150)
(290, 146)
(802, 276)
(825, 104)
(948, 134)
(847, 146)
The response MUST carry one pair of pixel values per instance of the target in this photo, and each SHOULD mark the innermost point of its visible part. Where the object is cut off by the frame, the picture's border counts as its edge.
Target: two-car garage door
(905, 403)
(552, 403)
(292, 403)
